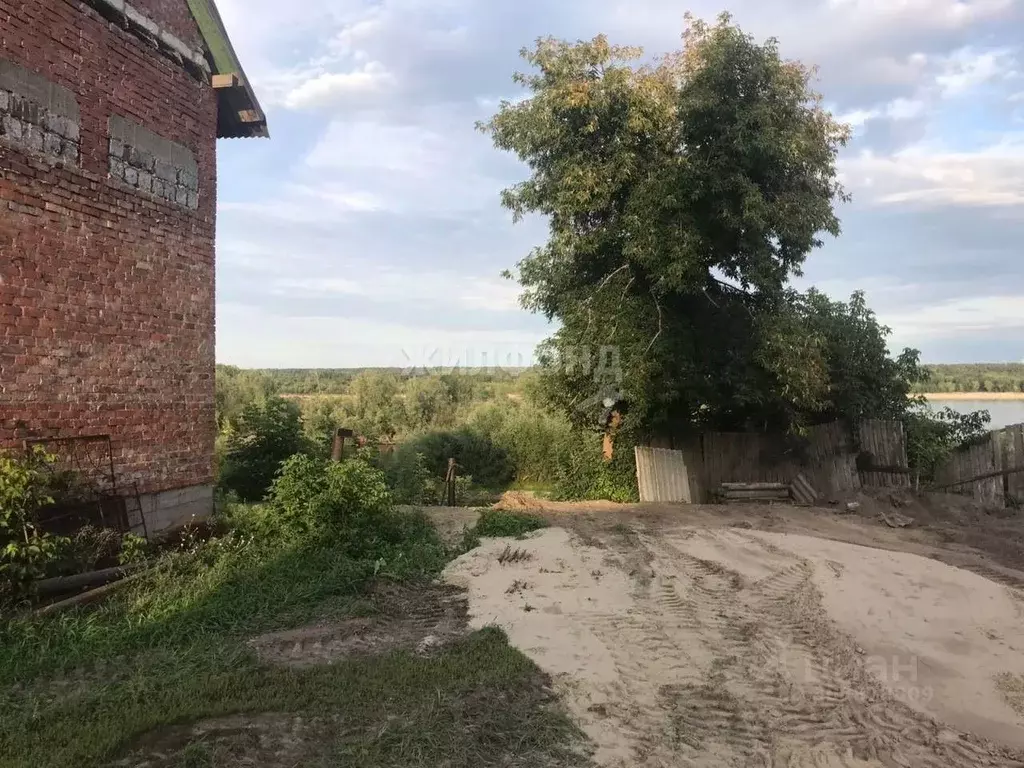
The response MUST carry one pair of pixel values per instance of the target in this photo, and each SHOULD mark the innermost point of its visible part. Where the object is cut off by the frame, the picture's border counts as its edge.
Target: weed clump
(497, 523)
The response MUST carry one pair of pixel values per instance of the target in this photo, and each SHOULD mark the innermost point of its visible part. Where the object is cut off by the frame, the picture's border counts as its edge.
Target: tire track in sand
(772, 681)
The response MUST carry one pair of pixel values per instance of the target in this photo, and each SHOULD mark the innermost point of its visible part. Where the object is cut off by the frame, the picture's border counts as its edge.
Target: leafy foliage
(586, 475)
(536, 440)
(25, 552)
(489, 464)
(134, 549)
(863, 381)
(347, 504)
(267, 433)
(682, 197)
(933, 435)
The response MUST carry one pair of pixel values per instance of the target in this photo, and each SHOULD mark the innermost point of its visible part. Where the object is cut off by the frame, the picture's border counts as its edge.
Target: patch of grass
(90, 685)
(197, 755)
(478, 703)
(470, 539)
(496, 523)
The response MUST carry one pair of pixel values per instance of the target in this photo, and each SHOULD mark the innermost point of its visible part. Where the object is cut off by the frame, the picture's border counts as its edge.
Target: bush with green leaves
(134, 550)
(408, 478)
(476, 454)
(536, 440)
(266, 433)
(347, 505)
(26, 553)
(932, 436)
(587, 476)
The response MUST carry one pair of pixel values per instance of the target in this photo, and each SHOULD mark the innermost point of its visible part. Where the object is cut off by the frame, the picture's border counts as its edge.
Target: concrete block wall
(38, 116)
(170, 509)
(106, 288)
(152, 164)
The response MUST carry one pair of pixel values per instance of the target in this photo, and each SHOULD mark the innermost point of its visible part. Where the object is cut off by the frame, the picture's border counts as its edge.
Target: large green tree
(682, 196)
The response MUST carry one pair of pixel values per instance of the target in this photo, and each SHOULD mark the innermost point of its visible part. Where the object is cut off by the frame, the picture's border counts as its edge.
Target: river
(1003, 412)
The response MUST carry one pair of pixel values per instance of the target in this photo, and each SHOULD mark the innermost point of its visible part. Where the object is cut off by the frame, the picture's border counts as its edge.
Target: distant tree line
(973, 377)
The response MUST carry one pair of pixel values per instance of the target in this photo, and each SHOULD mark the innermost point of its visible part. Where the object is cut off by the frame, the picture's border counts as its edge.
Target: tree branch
(658, 305)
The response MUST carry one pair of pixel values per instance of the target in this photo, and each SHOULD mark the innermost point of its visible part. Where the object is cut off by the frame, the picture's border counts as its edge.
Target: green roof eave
(225, 61)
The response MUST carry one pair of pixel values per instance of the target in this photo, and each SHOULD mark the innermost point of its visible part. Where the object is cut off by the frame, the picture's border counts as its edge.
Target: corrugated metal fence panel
(662, 475)
(885, 441)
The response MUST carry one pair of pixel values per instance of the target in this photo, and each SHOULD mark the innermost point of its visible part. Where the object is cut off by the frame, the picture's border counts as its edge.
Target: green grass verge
(477, 704)
(81, 688)
(496, 523)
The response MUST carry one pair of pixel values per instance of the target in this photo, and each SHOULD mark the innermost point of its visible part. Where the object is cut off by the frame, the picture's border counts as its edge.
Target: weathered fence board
(1013, 441)
(886, 442)
(662, 475)
(824, 458)
(984, 457)
(832, 466)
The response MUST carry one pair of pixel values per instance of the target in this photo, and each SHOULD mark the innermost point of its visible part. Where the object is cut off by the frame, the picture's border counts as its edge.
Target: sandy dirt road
(717, 645)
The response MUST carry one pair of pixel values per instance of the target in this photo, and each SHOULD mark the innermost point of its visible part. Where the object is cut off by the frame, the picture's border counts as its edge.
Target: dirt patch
(1012, 688)
(684, 645)
(266, 740)
(422, 619)
(450, 521)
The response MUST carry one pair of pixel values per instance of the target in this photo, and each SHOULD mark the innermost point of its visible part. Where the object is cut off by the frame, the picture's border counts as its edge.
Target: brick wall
(175, 16)
(106, 287)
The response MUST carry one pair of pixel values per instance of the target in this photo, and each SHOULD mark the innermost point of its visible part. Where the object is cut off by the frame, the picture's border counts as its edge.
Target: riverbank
(935, 396)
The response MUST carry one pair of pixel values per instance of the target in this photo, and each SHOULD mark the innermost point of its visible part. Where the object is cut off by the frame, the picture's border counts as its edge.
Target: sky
(368, 230)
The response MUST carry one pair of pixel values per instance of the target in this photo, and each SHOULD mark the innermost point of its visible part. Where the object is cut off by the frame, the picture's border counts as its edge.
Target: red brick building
(109, 115)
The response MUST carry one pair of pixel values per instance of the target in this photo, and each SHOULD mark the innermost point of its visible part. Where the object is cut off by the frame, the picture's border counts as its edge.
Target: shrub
(325, 498)
(346, 505)
(134, 549)
(933, 435)
(25, 552)
(266, 434)
(408, 478)
(90, 548)
(586, 475)
(537, 441)
(478, 456)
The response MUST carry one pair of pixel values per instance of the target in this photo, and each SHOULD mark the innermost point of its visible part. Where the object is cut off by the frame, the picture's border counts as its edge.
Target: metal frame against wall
(97, 498)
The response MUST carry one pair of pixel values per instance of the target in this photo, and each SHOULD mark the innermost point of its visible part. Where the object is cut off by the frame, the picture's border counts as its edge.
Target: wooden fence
(883, 444)
(986, 469)
(826, 456)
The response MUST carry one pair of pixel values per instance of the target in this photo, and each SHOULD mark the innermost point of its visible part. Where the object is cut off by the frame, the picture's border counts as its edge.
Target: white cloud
(966, 69)
(398, 178)
(952, 14)
(367, 144)
(448, 287)
(992, 176)
(904, 109)
(966, 315)
(897, 109)
(329, 88)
